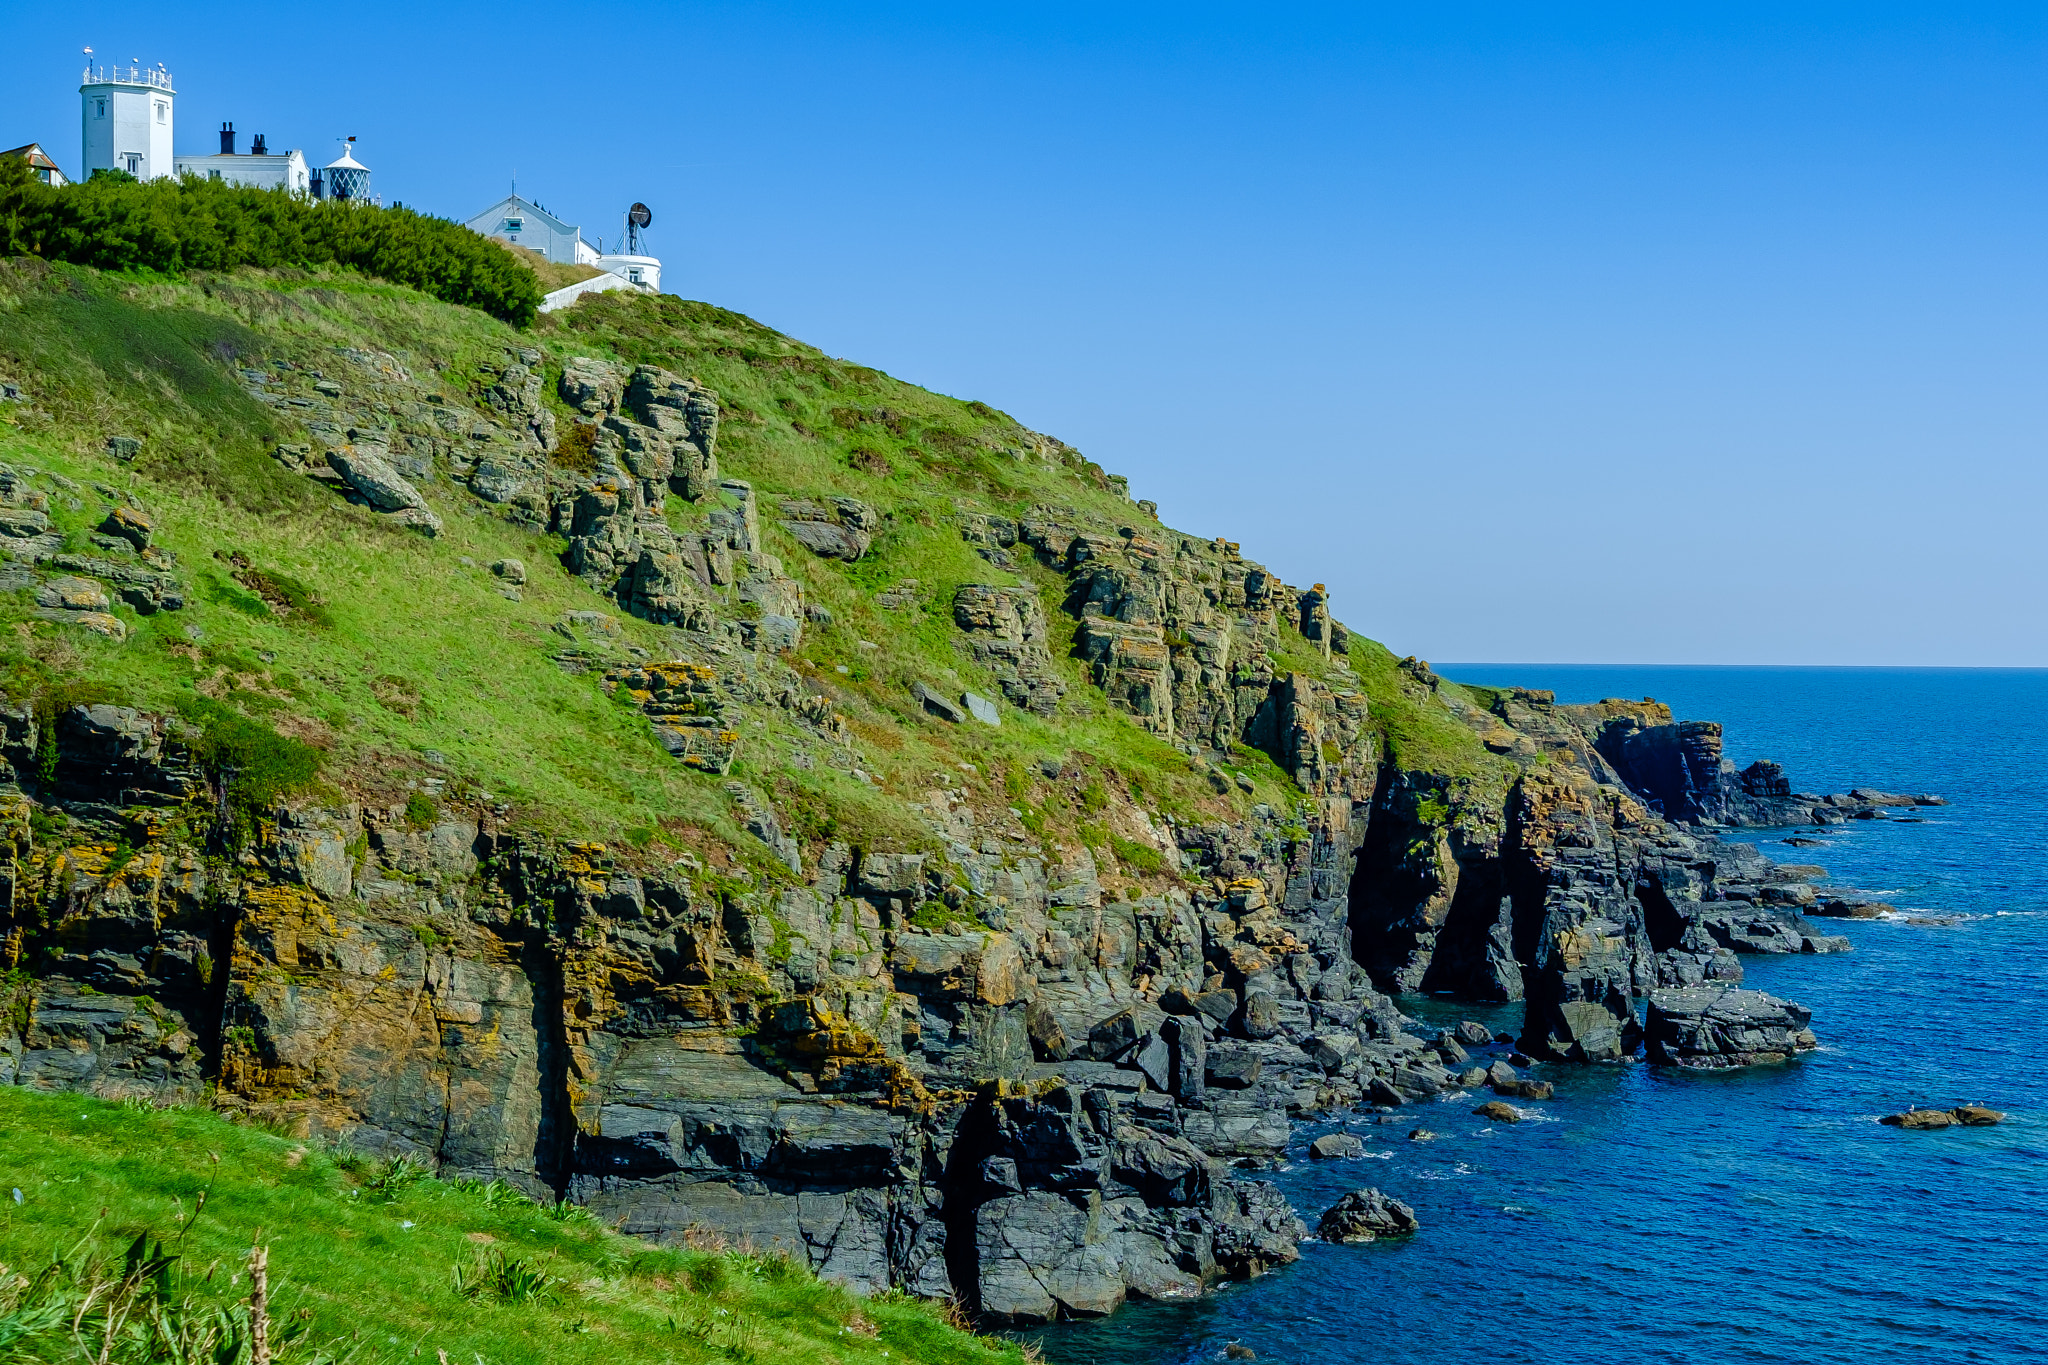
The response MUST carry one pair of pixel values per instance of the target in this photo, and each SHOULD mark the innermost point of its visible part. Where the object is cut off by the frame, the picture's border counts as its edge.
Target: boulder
(1976, 1116)
(1261, 1018)
(1499, 1112)
(1109, 1038)
(370, 473)
(1048, 1039)
(1256, 1228)
(1421, 1135)
(1154, 1057)
(1364, 1216)
(1232, 1068)
(1711, 1028)
(1524, 1090)
(513, 571)
(70, 593)
(1190, 1058)
(981, 708)
(1044, 1256)
(832, 528)
(131, 524)
(1473, 1035)
(938, 703)
(1335, 1147)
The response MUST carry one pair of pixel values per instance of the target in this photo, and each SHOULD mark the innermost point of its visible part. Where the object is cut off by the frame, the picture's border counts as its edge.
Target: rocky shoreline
(1043, 1133)
(967, 1064)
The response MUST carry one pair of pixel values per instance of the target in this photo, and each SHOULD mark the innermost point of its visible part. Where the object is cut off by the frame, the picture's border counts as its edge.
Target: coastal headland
(650, 763)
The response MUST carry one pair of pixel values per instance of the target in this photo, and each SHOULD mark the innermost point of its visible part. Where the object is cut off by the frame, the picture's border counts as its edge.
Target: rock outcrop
(958, 1050)
(1365, 1215)
(1707, 1028)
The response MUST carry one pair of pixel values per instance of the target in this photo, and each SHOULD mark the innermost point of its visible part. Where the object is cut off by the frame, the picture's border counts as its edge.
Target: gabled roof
(34, 155)
(512, 204)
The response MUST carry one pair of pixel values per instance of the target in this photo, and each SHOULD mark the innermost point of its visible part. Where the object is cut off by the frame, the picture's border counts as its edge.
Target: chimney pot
(257, 147)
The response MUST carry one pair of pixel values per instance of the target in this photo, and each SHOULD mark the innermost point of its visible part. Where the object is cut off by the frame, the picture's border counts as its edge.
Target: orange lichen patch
(276, 921)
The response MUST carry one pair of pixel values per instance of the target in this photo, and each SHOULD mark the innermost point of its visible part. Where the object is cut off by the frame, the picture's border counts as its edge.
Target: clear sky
(1652, 333)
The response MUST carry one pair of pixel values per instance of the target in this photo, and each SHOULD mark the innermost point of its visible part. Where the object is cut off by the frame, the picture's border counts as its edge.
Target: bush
(116, 223)
(254, 764)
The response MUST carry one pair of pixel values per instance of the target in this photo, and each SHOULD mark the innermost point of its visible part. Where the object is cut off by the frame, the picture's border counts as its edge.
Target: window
(214, 174)
(162, 110)
(134, 162)
(515, 224)
(99, 108)
(633, 274)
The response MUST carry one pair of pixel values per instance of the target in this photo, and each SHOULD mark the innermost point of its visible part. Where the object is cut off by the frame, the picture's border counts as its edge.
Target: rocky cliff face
(988, 1059)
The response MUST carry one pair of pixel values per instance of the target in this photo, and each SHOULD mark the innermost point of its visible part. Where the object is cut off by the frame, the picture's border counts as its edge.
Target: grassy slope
(375, 1270)
(408, 619)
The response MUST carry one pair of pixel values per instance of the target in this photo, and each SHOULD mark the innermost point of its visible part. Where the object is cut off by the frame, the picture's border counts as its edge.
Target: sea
(1758, 1216)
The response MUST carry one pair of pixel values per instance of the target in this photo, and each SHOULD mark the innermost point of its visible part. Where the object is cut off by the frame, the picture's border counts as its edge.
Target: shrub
(252, 763)
(116, 223)
(420, 811)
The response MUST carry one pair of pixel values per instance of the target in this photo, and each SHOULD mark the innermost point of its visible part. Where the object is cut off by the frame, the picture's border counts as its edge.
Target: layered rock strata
(973, 1067)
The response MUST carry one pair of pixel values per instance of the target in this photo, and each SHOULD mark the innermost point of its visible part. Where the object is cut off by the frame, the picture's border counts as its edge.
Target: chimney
(227, 139)
(315, 186)
(256, 146)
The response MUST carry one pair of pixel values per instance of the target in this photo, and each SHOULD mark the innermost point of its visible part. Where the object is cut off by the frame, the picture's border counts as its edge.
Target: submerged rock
(1499, 1111)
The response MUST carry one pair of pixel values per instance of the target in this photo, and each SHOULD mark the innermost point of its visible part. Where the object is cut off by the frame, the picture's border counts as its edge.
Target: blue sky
(1675, 333)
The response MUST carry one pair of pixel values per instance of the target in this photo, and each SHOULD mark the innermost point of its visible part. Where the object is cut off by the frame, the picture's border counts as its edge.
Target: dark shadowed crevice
(554, 1141)
(1464, 962)
(1387, 891)
(965, 1192)
(1661, 918)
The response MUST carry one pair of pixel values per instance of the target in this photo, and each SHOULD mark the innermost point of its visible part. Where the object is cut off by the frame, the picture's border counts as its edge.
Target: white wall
(641, 270)
(120, 117)
(536, 230)
(264, 172)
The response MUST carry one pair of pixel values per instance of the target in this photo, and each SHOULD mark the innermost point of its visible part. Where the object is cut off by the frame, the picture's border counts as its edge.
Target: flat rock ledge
(1962, 1116)
(1707, 1028)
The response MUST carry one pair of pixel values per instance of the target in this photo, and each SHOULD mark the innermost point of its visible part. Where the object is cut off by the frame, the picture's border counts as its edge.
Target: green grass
(380, 1262)
(392, 657)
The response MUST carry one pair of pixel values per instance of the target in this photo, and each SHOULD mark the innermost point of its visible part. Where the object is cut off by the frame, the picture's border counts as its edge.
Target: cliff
(667, 769)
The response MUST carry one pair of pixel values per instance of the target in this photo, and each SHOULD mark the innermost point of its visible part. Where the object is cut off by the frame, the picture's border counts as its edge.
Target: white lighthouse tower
(125, 119)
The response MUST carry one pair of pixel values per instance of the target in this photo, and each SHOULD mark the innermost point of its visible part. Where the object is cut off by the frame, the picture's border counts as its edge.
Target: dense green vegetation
(125, 1234)
(113, 222)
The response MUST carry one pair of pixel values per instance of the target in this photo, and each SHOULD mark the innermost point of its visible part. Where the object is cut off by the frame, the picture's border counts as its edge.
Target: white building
(126, 120)
(525, 223)
(259, 166)
(641, 270)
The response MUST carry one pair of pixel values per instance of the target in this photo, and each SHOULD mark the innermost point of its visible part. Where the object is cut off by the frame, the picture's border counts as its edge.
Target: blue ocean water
(1749, 1217)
